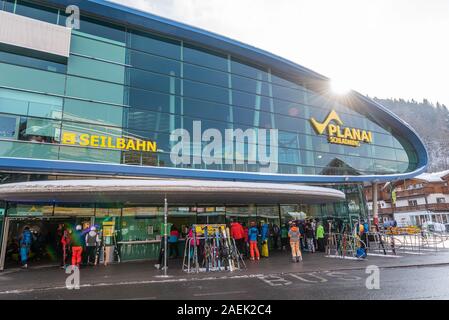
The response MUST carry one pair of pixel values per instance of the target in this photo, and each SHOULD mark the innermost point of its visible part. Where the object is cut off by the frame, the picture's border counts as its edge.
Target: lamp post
(165, 234)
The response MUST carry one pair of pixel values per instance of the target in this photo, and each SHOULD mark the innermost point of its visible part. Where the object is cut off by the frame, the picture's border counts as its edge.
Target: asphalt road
(394, 283)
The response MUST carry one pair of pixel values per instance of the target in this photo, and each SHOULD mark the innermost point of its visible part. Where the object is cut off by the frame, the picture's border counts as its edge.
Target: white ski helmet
(78, 227)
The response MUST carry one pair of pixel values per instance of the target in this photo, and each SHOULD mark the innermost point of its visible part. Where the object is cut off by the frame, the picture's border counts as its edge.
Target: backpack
(361, 253)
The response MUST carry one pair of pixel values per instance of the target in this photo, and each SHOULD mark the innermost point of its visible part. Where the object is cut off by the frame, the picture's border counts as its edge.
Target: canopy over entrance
(177, 191)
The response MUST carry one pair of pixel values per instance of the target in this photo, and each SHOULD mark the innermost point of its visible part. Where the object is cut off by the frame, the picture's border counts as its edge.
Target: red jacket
(237, 231)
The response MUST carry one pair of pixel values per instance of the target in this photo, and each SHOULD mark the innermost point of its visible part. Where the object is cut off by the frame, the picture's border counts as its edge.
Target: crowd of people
(74, 245)
(297, 236)
(253, 241)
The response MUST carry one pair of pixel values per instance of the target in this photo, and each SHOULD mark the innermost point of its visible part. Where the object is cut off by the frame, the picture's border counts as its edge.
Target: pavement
(126, 280)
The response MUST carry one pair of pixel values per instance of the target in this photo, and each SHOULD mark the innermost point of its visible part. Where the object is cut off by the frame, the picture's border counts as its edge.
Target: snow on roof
(433, 176)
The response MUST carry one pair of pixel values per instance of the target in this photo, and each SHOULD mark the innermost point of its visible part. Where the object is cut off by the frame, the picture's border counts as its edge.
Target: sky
(382, 48)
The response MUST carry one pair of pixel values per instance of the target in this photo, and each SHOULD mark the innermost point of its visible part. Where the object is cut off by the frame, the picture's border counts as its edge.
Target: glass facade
(122, 82)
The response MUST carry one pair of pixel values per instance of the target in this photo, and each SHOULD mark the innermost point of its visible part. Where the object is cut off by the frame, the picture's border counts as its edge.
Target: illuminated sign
(87, 140)
(341, 135)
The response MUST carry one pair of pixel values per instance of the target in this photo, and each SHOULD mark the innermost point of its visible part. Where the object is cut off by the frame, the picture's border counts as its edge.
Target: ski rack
(214, 252)
(343, 245)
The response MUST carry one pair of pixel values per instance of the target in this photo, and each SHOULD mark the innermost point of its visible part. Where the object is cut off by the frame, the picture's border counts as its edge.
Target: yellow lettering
(103, 141)
(356, 134)
(109, 144)
(339, 134)
(68, 138)
(370, 137)
(365, 136)
(141, 145)
(130, 145)
(347, 134)
(151, 146)
(332, 129)
(120, 143)
(94, 141)
(84, 139)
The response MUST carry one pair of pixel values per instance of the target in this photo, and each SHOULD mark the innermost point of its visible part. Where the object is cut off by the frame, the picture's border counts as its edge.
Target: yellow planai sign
(88, 140)
(338, 134)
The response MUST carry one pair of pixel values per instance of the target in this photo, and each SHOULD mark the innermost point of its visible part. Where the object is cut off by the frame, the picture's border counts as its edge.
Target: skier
(173, 241)
(294, 236)
(253, 233)
(275, 235)
(284, 237)
(309, 238)
(264, 233)
(65, 246)
(77, 245)
(238, 234)
(25, 243)
(320, 237)
(92, 240)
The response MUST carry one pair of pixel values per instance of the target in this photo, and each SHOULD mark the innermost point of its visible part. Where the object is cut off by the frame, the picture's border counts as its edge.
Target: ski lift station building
(106, 110)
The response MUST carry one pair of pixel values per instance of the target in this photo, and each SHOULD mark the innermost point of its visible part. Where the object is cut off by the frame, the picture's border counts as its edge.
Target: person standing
(65, 246)
(238, 234)
(275, 235)
(173, 242)
(264, 234)
(309, 238)
(92, 240)
(284, 237)
(320, 237)
(294, 236)
(25, 242)
(253, 233)
(76, 242)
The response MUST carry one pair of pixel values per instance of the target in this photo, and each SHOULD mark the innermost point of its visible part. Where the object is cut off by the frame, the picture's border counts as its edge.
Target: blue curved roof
(122, 15)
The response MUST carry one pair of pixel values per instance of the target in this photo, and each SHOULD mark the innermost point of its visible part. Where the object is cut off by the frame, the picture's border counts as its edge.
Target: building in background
(86, 117)
(415, 201)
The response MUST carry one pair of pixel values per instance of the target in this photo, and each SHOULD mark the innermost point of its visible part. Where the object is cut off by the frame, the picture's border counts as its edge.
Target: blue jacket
(264, 232)
(252, 234)
(27, 238)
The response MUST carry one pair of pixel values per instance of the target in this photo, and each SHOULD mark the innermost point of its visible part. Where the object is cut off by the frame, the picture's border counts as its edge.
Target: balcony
(422, 207)
(414, 192)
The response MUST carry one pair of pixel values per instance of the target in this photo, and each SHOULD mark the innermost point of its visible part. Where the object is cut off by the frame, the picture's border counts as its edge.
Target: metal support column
(375, 205)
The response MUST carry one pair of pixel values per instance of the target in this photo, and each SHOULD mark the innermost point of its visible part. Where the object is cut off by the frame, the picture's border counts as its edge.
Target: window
(206, 92)
(94, 90)
(83, 45)
(31, 79)
(154, 44)
(205, 75)
(96, 69)
(39, 130)
(152, 81)
(100, 29)
(8, 127)
(441, 200)
(205, 57)
(32, 62)
(413, 203)
(30, 104)
(36, 12)
(154, 101)
(82, 111)
(150, 62)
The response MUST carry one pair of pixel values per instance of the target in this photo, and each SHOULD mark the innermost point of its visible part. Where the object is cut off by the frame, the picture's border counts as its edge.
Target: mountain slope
(432, 124)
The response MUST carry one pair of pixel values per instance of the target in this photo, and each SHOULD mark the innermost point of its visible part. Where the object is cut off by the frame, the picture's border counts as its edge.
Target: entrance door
(45, 248)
